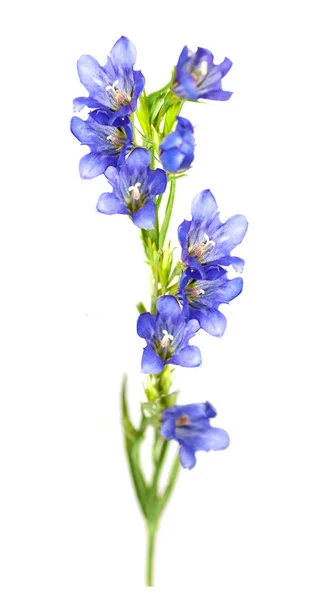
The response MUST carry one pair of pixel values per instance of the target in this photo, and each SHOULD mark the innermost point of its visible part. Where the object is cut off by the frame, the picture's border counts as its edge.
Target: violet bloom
(201, 298)
(198, 77)
(108, 144)
(167, 335)
(190, 426)
(135, 186)
(113, 89)
(177, 148)
(205, 241)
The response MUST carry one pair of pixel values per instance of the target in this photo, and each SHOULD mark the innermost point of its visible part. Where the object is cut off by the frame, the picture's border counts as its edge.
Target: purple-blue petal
(123, 54)
(151, 363)
(215, 439)
(183, 231)
(169, 308)
(109, 204)
(187, 457)
(188, 357)
(172, 160)
(211, 320)
(157, 182)
(168, 429)
(93, 164)
(146, 325)
(204, 206)
(146, 215)
(229, 235)
(191, 329)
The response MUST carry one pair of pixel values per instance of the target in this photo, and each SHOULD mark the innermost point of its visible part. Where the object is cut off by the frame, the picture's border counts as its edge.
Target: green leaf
(142, 113)
(130, 432)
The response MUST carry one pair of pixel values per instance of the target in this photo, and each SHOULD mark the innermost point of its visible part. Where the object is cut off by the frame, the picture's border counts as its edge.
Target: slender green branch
(159, 465)
(171, 483)
(167, 217)
(150, 555)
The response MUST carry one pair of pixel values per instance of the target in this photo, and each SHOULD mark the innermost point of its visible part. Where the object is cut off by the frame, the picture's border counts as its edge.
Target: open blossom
(198, 77)
(113, 89)
(190, 426)
(177, 148)
(205, 241)
(135, 186)
(201, 298)
(108, 144)
(167, 335)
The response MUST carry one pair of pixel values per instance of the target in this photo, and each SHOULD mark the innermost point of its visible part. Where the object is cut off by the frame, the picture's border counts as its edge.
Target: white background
(244, 523)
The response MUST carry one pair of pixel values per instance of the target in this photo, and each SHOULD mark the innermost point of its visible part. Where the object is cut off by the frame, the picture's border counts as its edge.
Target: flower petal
(138, 159)
(211, 320)
(229, 235)
(187, 457)
(93, 164)
(191, 329)
(168, 428)
(145, 216)
(123, 54)
(188, 357)
(204, 206)
(146, 325)
(157, 182)
(169, 309)
(109, 204)
(234, 261)
(112, 175)
(151, 363)
(93, 77)
(183, 231)
(172, 160)
(214, 439)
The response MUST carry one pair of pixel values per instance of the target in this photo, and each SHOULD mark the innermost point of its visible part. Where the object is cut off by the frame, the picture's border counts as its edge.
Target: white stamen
(204, 68)
(133, 187)
(208, 241)
(112, 87)
(167, 339)
(135, 194)
(201, 291)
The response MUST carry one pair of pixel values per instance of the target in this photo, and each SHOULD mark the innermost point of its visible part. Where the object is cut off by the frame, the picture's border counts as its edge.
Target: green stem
(159, 465)
(167, 217)
(152, 531)
(172, 480)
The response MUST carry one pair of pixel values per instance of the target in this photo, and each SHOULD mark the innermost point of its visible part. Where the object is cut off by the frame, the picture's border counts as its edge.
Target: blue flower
(108, 144)
(177, 148)
(205, 241)
(134, 189)
(198, 77)
(190, 426)
(201, 298)
(167, 335)
(113, 89)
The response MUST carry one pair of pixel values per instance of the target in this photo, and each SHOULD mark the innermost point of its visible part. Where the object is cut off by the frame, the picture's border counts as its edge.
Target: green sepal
(171, 114)
(141, 308)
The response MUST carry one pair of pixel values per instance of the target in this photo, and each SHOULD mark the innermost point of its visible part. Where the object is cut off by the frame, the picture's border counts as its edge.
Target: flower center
(134, 191)
(119, 97)
(195, 292)
(182, 421)
(166, 340)
(198, 250)
(200, 73)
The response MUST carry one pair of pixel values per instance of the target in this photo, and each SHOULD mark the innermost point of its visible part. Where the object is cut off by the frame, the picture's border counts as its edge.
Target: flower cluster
(186, 296)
